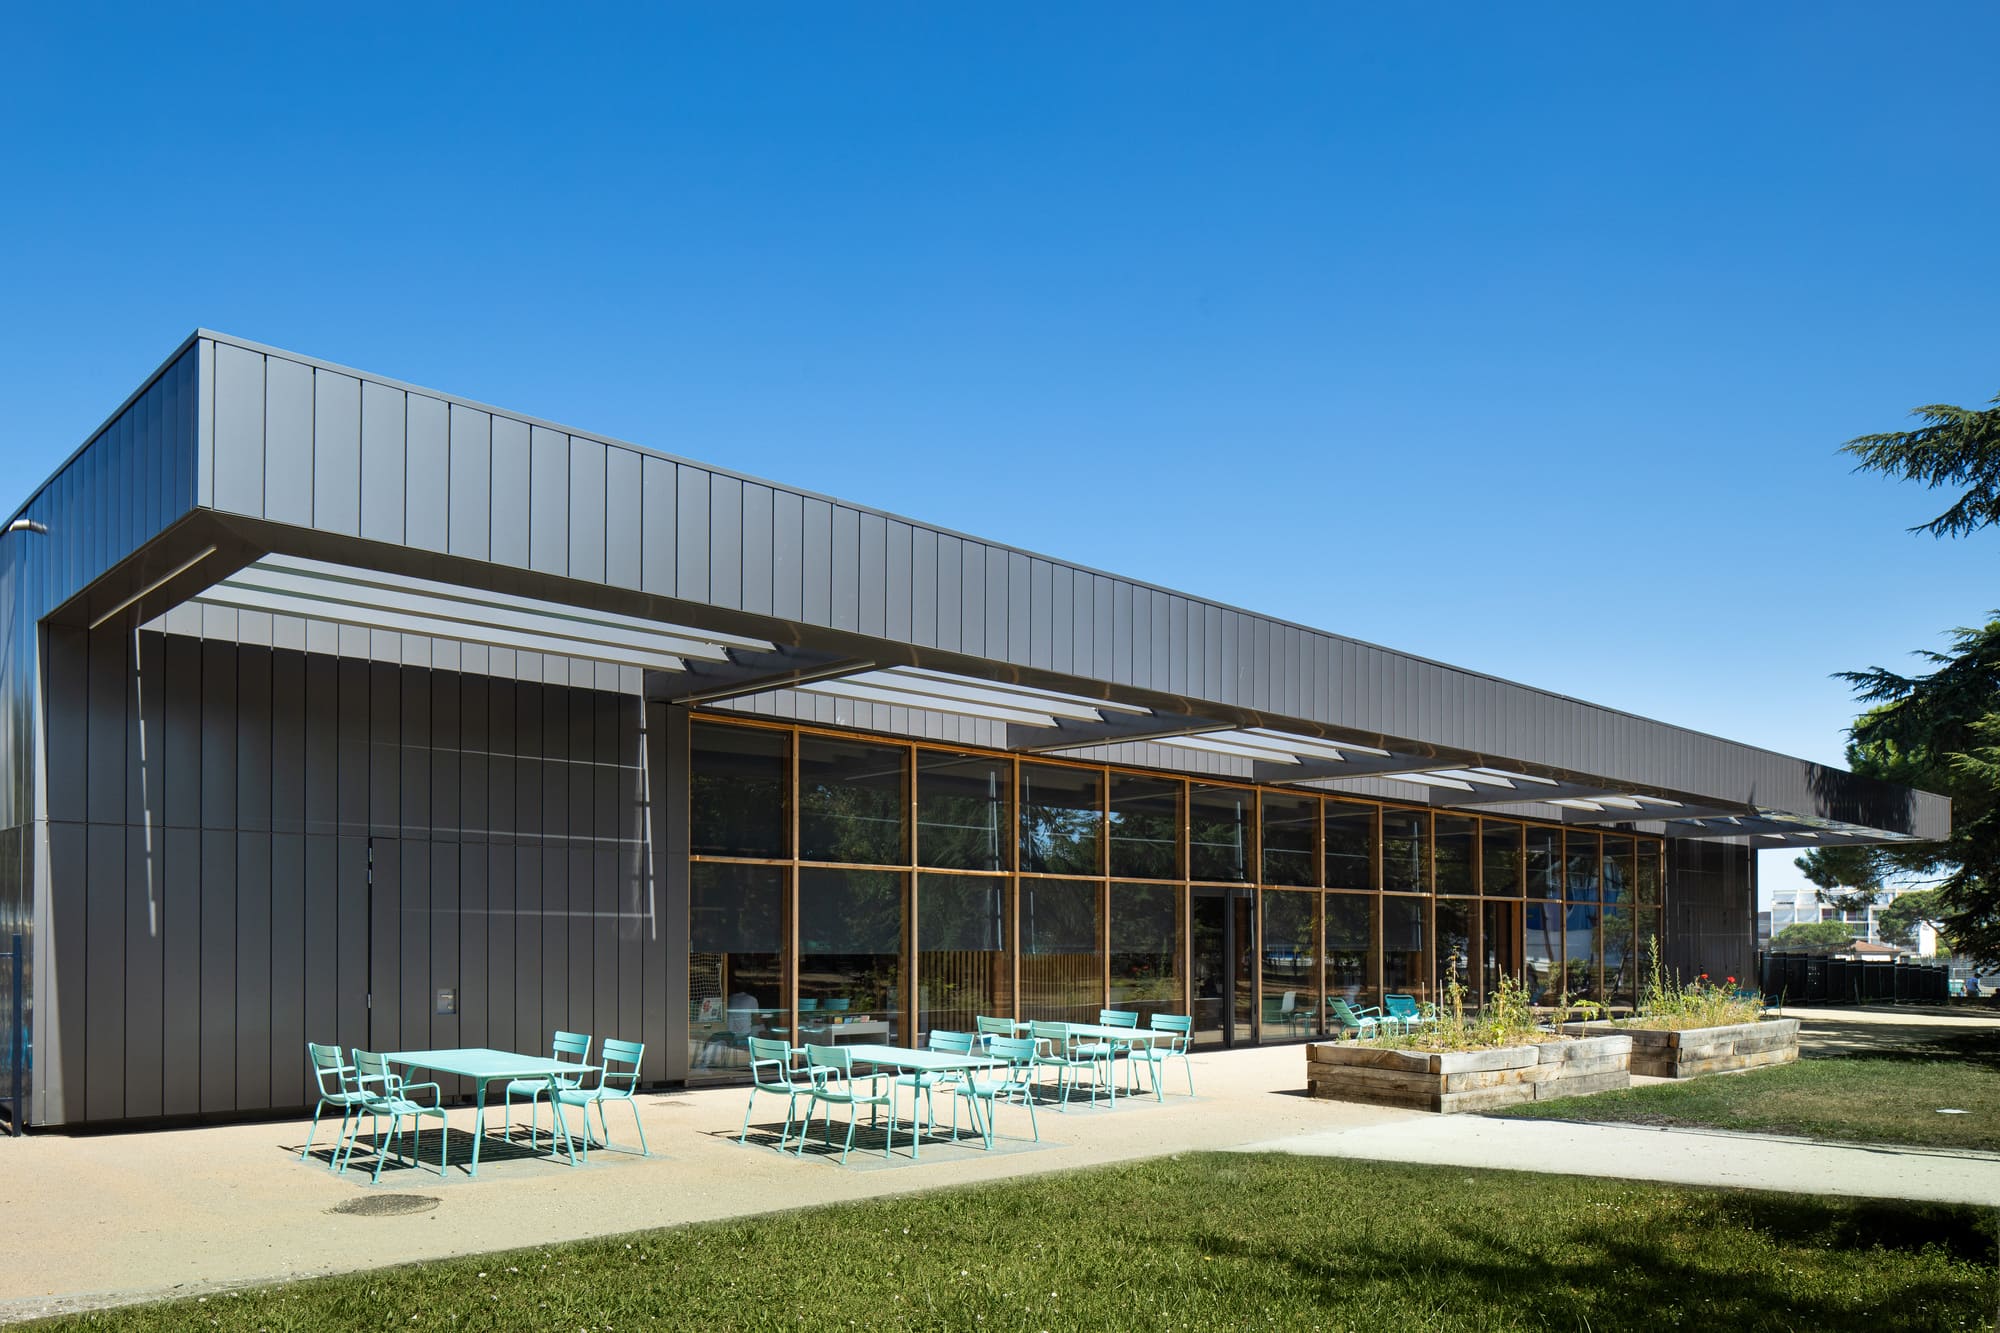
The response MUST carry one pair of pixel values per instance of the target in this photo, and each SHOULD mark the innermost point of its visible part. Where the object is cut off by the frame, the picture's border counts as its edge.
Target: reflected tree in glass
(1219, 828)
(1146, 948)
(1405, 849)
(1456, 839)
(1145, 827)
(964, 968)
(1061, 949)
(1500, 876)
(1062, 820)
(1290, 964)
(852, 802)
(1291, 841)
(738, 781)
(1351, 846)
(851, 954)
(1351, 961)
(962, 821)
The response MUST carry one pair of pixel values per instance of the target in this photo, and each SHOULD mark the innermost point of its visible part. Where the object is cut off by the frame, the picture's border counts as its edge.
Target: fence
(1813, 978)
(14, 1032)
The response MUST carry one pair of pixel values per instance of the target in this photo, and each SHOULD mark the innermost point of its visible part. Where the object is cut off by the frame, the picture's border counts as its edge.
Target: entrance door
(1224, 937)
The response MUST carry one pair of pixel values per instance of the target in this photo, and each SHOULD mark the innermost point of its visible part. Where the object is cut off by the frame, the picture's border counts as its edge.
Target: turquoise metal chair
(614, 1084)
(837, 1005)
(1362, 1022)
(831, 1069)
(1056, 1049)
(393, 1099)
(989, 1028)
(771, 1071)
(1118, 1018)
(1018, 1080)
(1405, 1010)
(922, 1085)
(575, 1044)
(1179, 1030)
(344, 1092)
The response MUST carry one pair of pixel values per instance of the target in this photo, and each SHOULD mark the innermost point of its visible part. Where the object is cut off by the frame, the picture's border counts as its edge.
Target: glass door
(1224, 938)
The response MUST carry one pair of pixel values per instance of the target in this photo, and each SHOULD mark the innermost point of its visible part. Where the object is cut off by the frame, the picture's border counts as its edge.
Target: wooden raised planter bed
(1657, 1053)
(1468, 1080)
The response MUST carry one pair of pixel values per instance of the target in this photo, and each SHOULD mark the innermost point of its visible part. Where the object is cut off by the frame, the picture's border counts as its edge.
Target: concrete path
(1668, 1156)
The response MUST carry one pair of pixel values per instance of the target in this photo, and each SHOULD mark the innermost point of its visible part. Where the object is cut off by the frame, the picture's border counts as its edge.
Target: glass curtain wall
(846, 888)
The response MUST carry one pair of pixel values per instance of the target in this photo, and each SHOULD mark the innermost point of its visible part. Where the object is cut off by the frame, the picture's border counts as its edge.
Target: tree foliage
(1814, 935)
(1845, 877)
(1898, 920)
(1940, 731)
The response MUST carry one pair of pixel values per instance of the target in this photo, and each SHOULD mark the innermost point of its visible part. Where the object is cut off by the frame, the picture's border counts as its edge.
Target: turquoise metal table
(910, 1060)
(484, 1065)
(1115, 1037)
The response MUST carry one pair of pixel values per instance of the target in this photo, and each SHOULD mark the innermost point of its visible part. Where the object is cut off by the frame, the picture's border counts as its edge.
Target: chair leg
(638, 1124)
(444, 1145)
(312, 1129)
(744, 1137)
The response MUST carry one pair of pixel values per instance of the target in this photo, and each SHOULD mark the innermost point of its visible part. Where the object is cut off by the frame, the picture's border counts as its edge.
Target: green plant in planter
(1665, 1002)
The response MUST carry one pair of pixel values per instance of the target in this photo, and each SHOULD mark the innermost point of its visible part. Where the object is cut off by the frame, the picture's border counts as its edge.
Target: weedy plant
(1506, 1019)
(1665, 1002)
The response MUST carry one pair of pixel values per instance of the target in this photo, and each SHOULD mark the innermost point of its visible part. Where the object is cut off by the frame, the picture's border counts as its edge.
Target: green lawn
(1874, 1098)
(1207, 1241)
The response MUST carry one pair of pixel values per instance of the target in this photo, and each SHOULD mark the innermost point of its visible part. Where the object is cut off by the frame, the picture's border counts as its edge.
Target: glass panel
(1582, 852)
(1617, 868)
(1541, 936)
(851, 955)
(1351, 962)
(1583, 952)
(1500, 944)
(1062, 820)
(1350, 846)
(1219, 832)
(736, 973)
(1146, 948)
(1208, 917)
(737, 781)
(1457, 843)
(1291, 839)
(1062, 976)
(1621, 972)
(962, 810)
(1500, 876)
(1646, 874)
(1405, 932)
(1646, 938)
(1456, 920)
(1405, 834)
(964, 968)
(1545, 877)
(1291, 965)
(1243, 968)
(852, 802)
(1145, 827)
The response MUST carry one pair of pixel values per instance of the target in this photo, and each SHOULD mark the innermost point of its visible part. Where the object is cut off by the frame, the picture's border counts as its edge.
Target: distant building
(1792, 905)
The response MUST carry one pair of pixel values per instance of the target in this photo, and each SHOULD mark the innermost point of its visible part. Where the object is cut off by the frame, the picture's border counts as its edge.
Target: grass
(1885, 1097)
(1205, 1241)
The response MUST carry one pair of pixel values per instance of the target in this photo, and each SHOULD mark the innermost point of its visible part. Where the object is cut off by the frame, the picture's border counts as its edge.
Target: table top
(921, 1062)
(1113, 1034)
(483, 1062)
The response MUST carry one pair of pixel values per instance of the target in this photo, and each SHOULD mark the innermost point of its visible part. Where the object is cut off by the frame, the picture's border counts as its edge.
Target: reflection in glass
(1582, 852)
(1617, 868)
(1145, 827)
(1541, 938)
(1583, 951)
(1646, 874)
(738, 778)
(1405, 848)
(1062, 979)
(1350, 846)
(851, 955)
(963, 966)
(1455, 924)
(1350, 948)
(1456, 839)
(1405, 933)
(1499, 944)
(1291, 965)
(1146, 948)
(1219, 832)
(1291, 839)
(962, 810)
(1621, 978)
(735, 962)
(852, 803)
(1545, 863)
(1501, 873)
(1062, 820)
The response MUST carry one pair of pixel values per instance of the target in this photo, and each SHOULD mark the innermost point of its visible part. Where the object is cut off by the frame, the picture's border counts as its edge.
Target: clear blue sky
(1521, 337)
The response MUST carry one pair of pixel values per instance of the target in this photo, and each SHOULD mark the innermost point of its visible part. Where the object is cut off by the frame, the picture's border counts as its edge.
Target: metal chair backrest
(1402, 1006)
(1117, 1018)
(807, 1006)
(953, 1043)
(829, 1059)
(568, 1044)
(1181, 1023)
(1056, 1034)
(838, 1005)
(326, 1061)
(372, 1067)
(766, 1052)
(628, 1054)
(994, 1027)
(1016, 1051)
